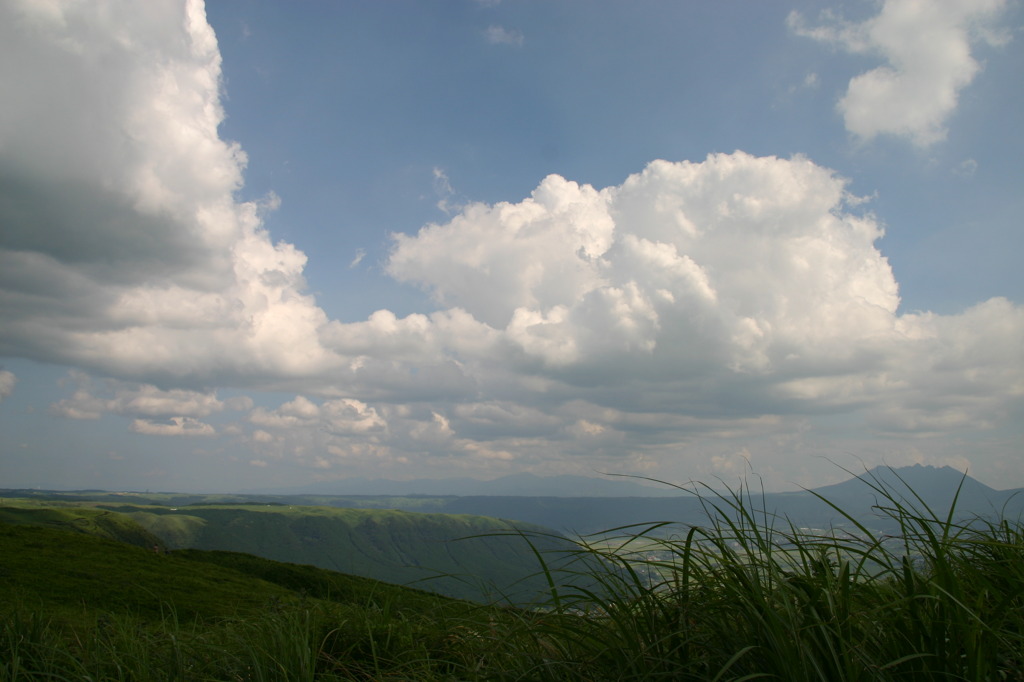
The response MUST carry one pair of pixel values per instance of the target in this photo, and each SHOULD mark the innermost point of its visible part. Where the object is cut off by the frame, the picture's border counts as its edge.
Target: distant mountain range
(584, 505)
(516, 485)
(576, 504)
(863, 498)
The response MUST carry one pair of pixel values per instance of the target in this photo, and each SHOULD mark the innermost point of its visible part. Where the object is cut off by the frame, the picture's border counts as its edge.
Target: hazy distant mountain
(517, 485)
(580, 504)
(927, 491)
(934, 486)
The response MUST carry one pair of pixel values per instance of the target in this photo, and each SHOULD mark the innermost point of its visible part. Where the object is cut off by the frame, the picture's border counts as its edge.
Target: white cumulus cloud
(693, 296)
(927, 49)
(123, 248)
(93, 399)
(737, 263)
(698, 309)
(176, 426)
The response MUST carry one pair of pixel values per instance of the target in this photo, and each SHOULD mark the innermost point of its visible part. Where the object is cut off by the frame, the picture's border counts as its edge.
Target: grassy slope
(439, 552)
(464, 556)
(76, 606)
(79, 573)
(72, 571)
(734, 600)
(97, 522)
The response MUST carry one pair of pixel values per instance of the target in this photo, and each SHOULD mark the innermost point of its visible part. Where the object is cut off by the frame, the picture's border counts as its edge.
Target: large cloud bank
(738, 285)
(723, 301)
(123, 250)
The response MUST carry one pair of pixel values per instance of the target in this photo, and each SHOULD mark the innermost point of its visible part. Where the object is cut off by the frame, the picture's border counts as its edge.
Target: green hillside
(98, 522)
(76, 573)
(740, 599)
(77, 606)
(463, 556)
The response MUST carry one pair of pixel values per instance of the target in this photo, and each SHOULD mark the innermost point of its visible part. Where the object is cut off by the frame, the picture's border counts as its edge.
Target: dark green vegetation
(745, 595)
(440, 552)
(79, 607)
(97, 522)
(463, 556)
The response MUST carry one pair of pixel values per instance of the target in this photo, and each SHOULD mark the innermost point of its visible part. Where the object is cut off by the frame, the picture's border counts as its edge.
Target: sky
(257, 244)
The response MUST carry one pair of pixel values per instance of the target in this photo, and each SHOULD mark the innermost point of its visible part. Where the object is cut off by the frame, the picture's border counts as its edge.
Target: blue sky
(259, 244)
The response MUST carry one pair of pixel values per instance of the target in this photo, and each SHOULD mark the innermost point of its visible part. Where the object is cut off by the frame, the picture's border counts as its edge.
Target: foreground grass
(745, 597)
(751, 597)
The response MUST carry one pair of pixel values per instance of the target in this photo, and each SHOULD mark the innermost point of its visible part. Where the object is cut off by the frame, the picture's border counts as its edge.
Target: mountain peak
(935, 486)
(926, 475)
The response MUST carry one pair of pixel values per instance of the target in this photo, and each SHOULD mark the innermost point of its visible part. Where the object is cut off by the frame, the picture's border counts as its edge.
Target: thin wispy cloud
(966, 168)
(499, 35)
(7, 382)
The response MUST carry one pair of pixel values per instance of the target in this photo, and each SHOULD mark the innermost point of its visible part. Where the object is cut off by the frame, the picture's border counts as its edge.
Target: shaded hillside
(465, 556)
(80, 607)
(585, 514)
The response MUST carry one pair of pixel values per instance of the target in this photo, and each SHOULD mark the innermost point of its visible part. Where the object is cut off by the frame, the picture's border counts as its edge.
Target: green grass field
(77, 606)
(744, 597)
